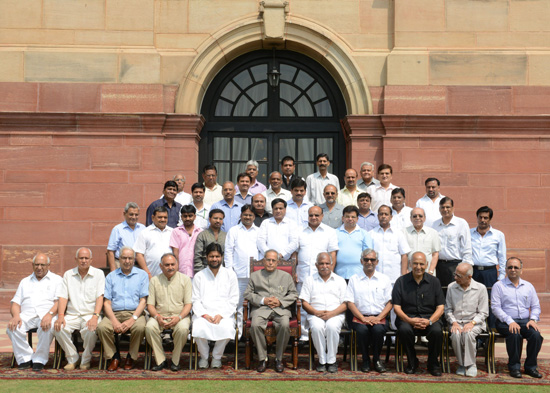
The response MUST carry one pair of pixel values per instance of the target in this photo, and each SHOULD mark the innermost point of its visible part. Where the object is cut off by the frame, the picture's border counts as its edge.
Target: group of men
(363, 257)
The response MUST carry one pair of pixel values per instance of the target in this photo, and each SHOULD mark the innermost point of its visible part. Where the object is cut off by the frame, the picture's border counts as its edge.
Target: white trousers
(21, 349)
(464, 345)
(325, 336)
(72, 323)
(217, 352)
(303, 316)
(243, 283)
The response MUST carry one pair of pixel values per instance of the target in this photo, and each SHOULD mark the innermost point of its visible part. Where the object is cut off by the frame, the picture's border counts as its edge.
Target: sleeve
(292, 246)
(144, 287)
(367, 240)
(233, 296)
(149, 214)
(482, 306)
(496, 304)
(501, 255)
(199, 250)
(332, 241)
(534, 304)
(436, 242)
(387, 291)
(291, 293)
(151, 299)
(108, 292)
(449, 306)
(305, 293)
(439, 297)
(18, 297)
(402, 243)
(250, 292)
(187, 290)
(100, 284)
(350, 291)
(230, 241)
(261, 242)
(396, 297)
(198, 308)
(63, 289)
(174, 239)
(342, 291)
(466, 244)
(113, 240)
(140, 245)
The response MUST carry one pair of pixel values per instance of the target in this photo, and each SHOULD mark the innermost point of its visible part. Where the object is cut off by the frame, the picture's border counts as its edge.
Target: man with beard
(332, 211)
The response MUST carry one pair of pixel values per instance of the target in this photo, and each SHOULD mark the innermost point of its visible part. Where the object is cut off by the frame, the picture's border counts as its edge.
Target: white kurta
(215, 295)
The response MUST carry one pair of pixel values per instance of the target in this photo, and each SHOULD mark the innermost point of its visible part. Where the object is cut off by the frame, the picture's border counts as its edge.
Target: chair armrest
(245, 311)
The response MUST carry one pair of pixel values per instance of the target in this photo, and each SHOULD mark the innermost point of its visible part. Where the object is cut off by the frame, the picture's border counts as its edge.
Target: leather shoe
(159, 367)
(533, 373)
(279, 367)
(365, 367)
(129, 363)
(332, 368)
(379, 367)
(175, 367)
(37, 367)
(515, 373)
(410, 370)
(24, 366)
(435, 371)
(262, 366)
(321, 368)
(113, 366)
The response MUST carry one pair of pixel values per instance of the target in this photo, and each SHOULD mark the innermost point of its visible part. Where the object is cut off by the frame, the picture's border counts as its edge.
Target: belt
(449, 260)
(485, 267)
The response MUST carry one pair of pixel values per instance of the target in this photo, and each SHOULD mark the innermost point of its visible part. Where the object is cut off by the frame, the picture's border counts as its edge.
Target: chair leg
(248, 353)
(310, 351)
(346, 343)
(388, 348)
(237, 349)
(295, 353)
(398, 356)
(12, 365)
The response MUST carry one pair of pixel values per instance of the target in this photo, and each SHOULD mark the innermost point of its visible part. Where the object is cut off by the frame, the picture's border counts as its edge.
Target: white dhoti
(21, 349)
(325, 336)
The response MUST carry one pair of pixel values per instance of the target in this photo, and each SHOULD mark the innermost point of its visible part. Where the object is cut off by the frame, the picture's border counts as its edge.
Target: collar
(119, 272)
(317, 276)
(508, 283)
(47, 275)
(343, 229)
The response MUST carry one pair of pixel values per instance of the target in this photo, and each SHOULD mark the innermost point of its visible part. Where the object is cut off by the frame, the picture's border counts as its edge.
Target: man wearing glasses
(516, 306)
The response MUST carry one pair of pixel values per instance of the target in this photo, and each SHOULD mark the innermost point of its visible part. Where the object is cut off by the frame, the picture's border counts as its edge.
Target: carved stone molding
(273, 14)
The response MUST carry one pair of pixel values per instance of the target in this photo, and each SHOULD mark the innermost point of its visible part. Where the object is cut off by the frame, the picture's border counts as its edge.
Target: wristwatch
(430, 322)
(473, 323)
(96, 314)
(135, 318)
(51, 313)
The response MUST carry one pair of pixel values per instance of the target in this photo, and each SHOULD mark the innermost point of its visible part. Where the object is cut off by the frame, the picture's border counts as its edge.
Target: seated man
(270, 292)
(466, 309)
(215, 297)
(169, 306)
(369, 300)
(33, 306)
(81, 298)
(418, 302)
(126, 290)
(517, 308)
(323, 299)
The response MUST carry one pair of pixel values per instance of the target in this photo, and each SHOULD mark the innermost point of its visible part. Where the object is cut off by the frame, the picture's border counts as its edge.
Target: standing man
(270, 292)
(252, 170)
(278, 232)
(259, 208)
(169, 306)
(275, 190)
(455, 238)
(197, 192)
(297, 207)
(80, 302)
(215, 297)
(401, 214)
(288, 166)
(367, 219)
(323, 298)
(332, 211)
(126, 291)
(213, 191)
(423, 238)
(419, 303)
(348, 195)
(153, 242)
(213, 234)
(381, 194)
(124, 234)
(34, 306)
(168, 202)
(229, 206)
(367, 177)
(183, 239)
(517, 308)
(317, 181)
(369, 299)
(243, 195)
(430, 201)
(182, 197)
(466, 308)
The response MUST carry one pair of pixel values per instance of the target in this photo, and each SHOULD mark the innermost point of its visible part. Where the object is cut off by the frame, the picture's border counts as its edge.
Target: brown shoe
(129, 364)
(113, 366)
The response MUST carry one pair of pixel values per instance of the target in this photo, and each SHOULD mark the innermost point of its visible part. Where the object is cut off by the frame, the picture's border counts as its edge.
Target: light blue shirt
(489, 250)
(124, 291)
(243, 201)
(350, 245)
(368, 222)
(123, 235)
(232, 214)
(509, 302)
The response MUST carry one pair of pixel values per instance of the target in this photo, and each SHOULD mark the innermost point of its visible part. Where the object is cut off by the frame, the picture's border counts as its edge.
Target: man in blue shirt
(126, 291)
(169, 202)
(230, 207)
(124, 234)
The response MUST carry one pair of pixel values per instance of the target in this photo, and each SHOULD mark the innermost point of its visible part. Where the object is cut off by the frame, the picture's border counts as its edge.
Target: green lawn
(253, 386)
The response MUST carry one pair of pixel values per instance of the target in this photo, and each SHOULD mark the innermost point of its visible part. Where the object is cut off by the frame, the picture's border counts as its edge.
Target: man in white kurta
(323, 296)
(215, 297)
(278, 232)
(34, 306)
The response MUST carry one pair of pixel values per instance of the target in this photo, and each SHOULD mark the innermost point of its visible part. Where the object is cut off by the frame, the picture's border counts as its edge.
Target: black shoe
(261, 366)
(332, 368)
(175, 367)
(435, 371)
(365, 367)
(379, 367)
(279, 366)
(159, 367)
(532, 372)
(321, 368)
(515, 373)
(25, 366)
(410, 370)
(40, 367)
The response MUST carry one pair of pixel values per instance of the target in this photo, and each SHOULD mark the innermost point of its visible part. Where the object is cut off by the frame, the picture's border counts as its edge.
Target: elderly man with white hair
(255, 186)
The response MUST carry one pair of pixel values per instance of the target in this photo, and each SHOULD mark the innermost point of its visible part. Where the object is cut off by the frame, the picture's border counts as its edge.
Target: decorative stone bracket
(273, 13)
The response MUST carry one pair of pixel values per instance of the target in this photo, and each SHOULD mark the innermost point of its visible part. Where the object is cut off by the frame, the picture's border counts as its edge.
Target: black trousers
(487, 277)
(433, 333)
(373, 335)
(514, 342)
(445, 271)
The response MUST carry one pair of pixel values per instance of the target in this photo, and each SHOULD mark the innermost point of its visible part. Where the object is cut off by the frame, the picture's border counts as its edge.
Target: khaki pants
(179, 334)
(106, 334)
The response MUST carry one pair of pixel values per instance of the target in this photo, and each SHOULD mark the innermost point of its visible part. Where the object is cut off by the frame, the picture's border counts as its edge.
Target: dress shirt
(82, 293)
(316, 185)
(240, 246)
(270, 195)
(324, 295)
(213, 195)
(509, 302)
(298, 214)
(153, 243)
(202, 212)
(402, 219)
(333, 218)
(243, 201)
(203, 240)
(418, 300)
(174, 212)
(346, 197)
(310, 244)
(36, 297)
(368, 222)
(390, 245)
(380, 196)
(286, 184)
(123, 235)
(181, 240)
(183, 198)
(466, 305)
(259, 219)
(426, 240)
(363, 187)
(125, 291)
(232, 213)
(370, 295)
(281, 237)
(256, 188)
(350, 246)
(455, 239)
(489, 250)
(431, 208)
(169, 296)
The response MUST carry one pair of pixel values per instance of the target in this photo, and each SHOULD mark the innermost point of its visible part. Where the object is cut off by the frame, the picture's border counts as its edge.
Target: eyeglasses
(330, 193)
(369, 260)
(315, 215)
(513, 268)
(457, 275)
(417, 216)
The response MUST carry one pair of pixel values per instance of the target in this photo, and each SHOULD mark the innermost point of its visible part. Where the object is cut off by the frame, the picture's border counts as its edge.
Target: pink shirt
(186, 245)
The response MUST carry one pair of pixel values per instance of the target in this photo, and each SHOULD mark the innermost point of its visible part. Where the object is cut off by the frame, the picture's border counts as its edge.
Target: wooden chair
(353, 348)
(288, 266)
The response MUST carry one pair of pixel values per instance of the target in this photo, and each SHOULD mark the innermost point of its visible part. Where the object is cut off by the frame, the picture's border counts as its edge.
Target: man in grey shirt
(332, 211)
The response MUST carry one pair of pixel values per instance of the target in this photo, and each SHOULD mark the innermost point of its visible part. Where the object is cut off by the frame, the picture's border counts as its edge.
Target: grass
(254, 386)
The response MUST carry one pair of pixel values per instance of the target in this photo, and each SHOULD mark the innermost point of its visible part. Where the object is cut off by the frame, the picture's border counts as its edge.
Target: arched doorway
(247, 119)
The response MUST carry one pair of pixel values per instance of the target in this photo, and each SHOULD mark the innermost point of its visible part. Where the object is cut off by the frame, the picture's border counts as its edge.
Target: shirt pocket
(90, 292)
